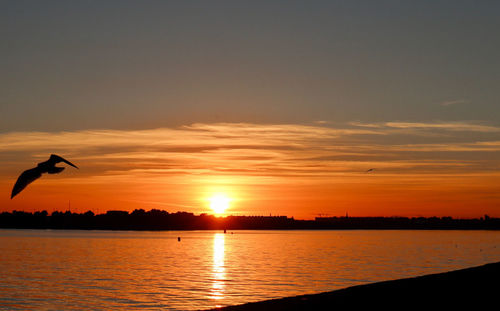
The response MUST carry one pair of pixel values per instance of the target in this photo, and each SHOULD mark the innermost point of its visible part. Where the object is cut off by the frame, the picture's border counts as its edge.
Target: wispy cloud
(453, 102)
(256, 149)
(434, 126)
(450, 126)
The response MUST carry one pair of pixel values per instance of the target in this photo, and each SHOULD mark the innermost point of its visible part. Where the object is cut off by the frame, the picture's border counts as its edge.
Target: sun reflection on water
(218, 268)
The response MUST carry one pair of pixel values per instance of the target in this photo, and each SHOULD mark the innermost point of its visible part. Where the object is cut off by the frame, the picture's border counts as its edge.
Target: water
(65, 270)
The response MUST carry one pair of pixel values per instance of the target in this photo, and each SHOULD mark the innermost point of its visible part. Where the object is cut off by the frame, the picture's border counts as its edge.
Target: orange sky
(281, 105)
(420, 169)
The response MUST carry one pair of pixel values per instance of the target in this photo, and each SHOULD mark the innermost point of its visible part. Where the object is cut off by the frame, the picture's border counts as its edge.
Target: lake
(117, 270)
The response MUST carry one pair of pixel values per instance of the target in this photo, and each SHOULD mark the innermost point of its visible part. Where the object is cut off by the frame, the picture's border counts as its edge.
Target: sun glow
(219, 203)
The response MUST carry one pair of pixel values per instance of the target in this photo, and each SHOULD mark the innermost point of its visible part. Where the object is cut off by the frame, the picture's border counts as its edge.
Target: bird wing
(56, 159)
(26, 178)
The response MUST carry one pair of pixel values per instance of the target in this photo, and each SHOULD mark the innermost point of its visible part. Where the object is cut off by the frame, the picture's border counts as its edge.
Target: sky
(282, 106)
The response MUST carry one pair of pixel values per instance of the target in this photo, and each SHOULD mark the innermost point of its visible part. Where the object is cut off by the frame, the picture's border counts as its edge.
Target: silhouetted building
(162, 220)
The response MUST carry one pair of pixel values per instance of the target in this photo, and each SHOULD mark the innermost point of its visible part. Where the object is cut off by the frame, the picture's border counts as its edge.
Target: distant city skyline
(278, 107)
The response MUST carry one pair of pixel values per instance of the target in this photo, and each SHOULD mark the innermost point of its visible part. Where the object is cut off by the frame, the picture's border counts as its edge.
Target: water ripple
(70, 270)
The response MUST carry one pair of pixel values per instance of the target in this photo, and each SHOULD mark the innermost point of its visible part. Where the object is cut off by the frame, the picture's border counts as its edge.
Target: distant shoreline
(157, 220)
(475, 288)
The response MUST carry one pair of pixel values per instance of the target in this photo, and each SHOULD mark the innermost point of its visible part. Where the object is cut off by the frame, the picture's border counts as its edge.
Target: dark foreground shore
(473, 289)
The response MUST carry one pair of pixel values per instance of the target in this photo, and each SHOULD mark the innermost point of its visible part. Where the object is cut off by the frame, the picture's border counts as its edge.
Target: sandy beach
(472, 288)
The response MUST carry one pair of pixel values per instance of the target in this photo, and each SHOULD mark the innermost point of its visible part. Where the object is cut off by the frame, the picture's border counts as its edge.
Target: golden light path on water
(218, 268)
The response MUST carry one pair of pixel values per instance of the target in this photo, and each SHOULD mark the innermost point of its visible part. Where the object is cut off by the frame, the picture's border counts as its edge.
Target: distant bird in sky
(29, 176)
(370, 170)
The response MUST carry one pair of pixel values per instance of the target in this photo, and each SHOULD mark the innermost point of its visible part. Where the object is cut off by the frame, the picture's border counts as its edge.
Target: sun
(219, 203)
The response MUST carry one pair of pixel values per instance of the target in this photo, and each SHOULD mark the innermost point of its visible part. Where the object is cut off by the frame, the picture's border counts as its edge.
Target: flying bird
(29, 176)
(370, 170)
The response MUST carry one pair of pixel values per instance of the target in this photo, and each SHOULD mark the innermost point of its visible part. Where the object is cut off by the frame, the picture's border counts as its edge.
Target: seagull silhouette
(29, 176)
(370, 170)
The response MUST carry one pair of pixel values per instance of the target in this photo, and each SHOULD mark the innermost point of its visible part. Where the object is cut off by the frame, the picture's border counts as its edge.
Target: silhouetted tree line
(162, 220)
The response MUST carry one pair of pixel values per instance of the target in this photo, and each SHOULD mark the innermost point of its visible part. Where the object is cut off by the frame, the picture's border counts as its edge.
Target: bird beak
(67, 162)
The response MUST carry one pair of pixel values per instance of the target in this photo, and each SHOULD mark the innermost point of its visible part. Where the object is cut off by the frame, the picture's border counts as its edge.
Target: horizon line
(346, 216)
